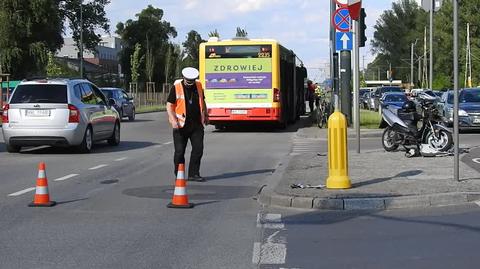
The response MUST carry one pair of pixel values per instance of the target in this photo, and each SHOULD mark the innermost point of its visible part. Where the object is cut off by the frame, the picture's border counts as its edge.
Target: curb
(350, 134)
(270, 198)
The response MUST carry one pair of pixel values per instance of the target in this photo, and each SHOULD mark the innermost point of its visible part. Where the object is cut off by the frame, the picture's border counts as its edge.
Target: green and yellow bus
(251, 81)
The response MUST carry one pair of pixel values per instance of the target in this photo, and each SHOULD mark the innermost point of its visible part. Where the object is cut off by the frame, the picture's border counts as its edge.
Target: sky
(300, 25)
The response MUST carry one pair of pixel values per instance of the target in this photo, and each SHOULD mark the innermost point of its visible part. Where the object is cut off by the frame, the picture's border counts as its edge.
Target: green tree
(135, 62)
(241, 32)
(214, 34)
(29, 29)
(94, 18)
(192, 48)
(148, 23)
(394, 32)
(53, 69)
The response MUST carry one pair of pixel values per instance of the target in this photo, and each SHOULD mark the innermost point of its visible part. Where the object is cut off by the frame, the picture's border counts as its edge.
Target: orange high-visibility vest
(180, 105)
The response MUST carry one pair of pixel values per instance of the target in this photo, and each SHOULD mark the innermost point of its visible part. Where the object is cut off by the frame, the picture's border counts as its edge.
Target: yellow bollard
(337, 152)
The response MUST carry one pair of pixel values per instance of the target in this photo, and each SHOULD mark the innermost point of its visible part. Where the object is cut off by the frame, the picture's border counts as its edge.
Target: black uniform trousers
(180, 139)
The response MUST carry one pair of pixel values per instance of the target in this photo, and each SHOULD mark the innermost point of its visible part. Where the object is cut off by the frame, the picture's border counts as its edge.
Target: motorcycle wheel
(443, 143)
(388, 140)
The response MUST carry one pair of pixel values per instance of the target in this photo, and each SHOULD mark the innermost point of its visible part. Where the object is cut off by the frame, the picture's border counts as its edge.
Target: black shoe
(196, 178)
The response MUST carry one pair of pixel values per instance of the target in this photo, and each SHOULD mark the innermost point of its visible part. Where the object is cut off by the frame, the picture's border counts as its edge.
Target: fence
(151, 97)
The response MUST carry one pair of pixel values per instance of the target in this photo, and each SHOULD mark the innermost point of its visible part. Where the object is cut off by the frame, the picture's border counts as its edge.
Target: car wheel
(13, 149)
(87, 142)
(132, 117)
(115, 139)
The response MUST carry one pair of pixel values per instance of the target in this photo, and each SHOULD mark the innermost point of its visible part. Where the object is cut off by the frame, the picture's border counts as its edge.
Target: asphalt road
(112, 213)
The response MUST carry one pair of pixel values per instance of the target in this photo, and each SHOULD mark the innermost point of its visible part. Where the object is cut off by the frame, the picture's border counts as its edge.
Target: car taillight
(74, 116)
(276, 95)
(5, 113)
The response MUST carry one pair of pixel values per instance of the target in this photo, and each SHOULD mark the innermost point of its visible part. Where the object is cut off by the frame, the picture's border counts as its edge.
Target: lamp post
(81, 38)
(412, 84)
(456, 137)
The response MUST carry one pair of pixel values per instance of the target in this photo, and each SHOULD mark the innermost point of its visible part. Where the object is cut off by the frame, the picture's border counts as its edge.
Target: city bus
(251, 81)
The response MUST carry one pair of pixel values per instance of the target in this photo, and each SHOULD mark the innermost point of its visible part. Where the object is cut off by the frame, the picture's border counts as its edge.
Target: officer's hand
(175, 125)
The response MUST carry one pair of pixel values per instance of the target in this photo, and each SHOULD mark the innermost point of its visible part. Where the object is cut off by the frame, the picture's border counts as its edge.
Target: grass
(369, 119)
(146, 109)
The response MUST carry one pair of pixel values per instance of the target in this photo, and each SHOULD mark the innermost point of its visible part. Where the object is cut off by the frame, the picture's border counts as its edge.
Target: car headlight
(462, 113)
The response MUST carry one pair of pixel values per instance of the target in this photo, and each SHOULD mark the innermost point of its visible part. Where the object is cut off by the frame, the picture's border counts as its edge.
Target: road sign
(342, 3)
(341, 20)
(427, 5)
(354, 7)
(344, 41)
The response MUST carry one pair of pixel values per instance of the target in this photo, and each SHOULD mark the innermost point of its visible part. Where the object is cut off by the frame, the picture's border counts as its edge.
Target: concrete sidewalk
(380, 180)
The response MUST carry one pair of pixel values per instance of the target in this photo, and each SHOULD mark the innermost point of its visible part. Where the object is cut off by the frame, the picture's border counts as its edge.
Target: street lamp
(81, 38)
(456, 137)
(411, 63)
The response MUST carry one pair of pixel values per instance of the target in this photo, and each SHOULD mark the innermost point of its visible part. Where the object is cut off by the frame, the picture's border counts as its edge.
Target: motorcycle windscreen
(391, 118)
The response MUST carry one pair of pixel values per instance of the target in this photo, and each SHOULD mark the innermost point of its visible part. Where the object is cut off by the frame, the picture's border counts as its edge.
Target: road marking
(66, 177)
(478, 203)
(98, 167)
(257, 247)
(476, 160)
(121, 159)
(270, 221)
(168, 143)
(18, 193)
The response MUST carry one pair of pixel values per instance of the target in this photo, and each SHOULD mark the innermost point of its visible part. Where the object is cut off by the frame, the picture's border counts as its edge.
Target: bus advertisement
(249, 81)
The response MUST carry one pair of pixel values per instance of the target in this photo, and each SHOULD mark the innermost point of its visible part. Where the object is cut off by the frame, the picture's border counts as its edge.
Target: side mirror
(111, 102)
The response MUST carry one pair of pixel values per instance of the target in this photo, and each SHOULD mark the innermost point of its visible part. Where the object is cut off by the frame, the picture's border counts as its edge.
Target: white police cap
(190, 73)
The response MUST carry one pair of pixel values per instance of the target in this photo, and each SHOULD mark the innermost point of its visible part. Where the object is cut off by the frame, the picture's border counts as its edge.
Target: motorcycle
(417, 132)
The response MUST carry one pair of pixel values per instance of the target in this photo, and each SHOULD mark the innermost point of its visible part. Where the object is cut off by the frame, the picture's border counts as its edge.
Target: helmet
(409, 106)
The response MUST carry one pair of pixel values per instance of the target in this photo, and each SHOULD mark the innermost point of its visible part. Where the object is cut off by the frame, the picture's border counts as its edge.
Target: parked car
(123, 102)
(59, 112)
(380, 91)
(469, 108)
(371, 100)
(393, 100)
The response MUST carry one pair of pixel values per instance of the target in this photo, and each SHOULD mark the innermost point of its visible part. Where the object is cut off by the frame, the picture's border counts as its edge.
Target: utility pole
(432, 9)
(456, 137)
(81, 38)
(356, 80)
(412, 82)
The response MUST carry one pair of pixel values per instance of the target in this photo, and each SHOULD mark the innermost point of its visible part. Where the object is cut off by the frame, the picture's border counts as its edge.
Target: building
(106, 56)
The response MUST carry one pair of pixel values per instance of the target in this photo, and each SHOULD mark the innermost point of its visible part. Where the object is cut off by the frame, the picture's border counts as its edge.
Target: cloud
(251, 5)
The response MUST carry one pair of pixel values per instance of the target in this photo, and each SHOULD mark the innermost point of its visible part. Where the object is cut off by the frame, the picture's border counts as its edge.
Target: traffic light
(363, 27)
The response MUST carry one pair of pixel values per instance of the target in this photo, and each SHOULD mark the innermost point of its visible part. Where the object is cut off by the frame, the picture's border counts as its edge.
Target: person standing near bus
(187, 113)
(310, 95)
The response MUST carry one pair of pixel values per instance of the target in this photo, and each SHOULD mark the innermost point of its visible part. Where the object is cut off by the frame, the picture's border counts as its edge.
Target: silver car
(59, 112)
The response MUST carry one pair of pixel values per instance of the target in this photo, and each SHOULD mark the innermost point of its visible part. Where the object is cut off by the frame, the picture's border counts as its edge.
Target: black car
(469, 108)
(123, 102)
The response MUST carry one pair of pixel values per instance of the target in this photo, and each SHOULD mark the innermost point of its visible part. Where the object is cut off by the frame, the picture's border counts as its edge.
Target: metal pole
(356, 81)
(411, 68)
(81, 39)
(456, 137)
(432, 9)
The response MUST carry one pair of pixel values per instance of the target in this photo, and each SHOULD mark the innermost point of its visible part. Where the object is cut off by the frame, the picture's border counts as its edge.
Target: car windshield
(40, 93)
(466, 96)
(392, 89)
(395, 98)
(108, 93)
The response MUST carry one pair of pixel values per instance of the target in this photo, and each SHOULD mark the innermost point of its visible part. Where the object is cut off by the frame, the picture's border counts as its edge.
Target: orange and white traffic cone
(42, 198)
(180, 197)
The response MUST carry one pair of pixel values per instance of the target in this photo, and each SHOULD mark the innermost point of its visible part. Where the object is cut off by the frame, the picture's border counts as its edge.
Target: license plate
(476, 120)
(38, 113)
(239, 112)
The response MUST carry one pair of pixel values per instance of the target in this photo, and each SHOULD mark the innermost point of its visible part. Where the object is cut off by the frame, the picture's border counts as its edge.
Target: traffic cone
(42, 198)
(180, 197)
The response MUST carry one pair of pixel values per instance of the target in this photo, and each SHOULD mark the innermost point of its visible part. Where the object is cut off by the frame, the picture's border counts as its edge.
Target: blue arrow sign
(344, 41)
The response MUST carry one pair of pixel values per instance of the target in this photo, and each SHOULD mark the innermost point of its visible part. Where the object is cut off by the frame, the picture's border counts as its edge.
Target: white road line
(168, 143)
(98, 167)
(478, 203)
(66, 177)
(476, 160)
(18, 193)
(121, 159)
(257, 247)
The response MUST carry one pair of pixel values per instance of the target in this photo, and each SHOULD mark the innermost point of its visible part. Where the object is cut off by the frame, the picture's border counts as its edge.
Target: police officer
(187, 114)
